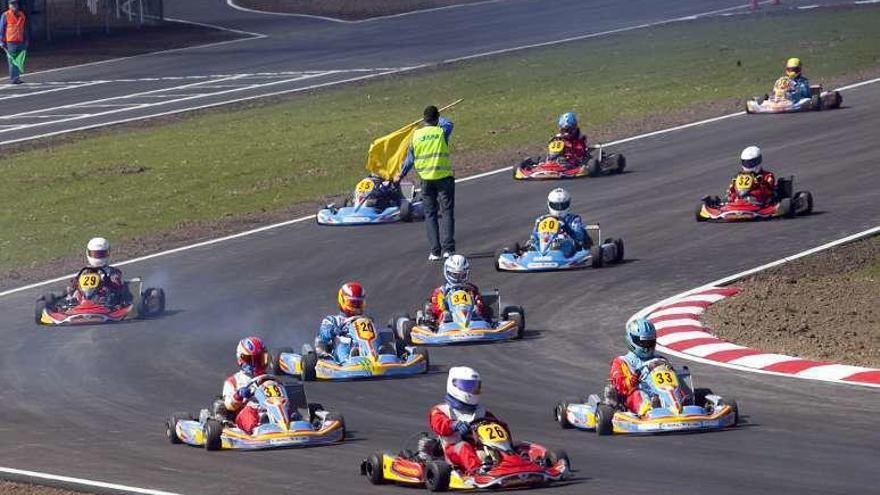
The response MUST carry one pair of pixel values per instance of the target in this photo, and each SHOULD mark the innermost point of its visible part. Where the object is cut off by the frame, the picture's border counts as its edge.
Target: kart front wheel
(596, 257)
(559, 414)
(308, 363)
(437, 474)
(517, 314)
(421, 351)
(405, 210)
(274, 367)
(373, 470)
(554, 456)
(171, 426)
(604, 417)
(802, 203)
(700, 396)
(213, 431)
(40, 305)
(618, 243)
(785, 208)
(698, 212)
(594, 168)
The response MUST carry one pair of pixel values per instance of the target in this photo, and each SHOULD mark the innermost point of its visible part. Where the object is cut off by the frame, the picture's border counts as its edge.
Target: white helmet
(463, 384)
(558, 202)
(98, 252)
(751, 159)
(456, 269)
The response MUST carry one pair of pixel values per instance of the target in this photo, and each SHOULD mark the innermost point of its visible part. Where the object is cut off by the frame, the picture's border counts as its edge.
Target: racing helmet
(351, 298)
(456, 269)
(98, 252)
(641, 337)
(568, 124)
(751, 159)
(558, 202)
(793, 67)
(252, 356)
(464, 384)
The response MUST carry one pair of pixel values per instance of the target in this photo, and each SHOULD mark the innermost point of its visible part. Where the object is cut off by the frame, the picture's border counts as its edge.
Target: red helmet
(252, 356)
(351, 299)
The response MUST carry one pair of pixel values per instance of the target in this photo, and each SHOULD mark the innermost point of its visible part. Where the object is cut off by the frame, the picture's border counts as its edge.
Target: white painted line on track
(312, 217)
(232, 4)
(740, 363)
(17, 474)
(53, 90)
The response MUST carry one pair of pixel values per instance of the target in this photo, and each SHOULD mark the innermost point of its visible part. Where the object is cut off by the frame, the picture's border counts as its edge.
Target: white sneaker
(433, 257)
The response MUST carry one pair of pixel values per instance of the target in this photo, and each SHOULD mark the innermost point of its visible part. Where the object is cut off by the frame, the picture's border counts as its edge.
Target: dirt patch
(10, 488)
(351, 10)
(824, 307)
(120, 43)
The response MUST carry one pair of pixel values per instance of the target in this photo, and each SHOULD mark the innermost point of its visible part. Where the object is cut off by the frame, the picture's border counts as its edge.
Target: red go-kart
(90, 305)
(557, 167)
(745, 208)
(513, 465)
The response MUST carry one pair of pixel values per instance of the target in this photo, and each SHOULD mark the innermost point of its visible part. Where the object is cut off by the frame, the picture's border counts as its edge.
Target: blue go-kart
(374, 201)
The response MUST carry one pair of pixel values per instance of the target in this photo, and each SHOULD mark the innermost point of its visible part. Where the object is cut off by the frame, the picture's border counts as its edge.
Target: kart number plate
(364, 328)
(548, 225)
(664, 379)
(744, 182)
(460, 298)
(271, 390)
(364, 186)
(89, 280)
(492, 432)
(556, 146)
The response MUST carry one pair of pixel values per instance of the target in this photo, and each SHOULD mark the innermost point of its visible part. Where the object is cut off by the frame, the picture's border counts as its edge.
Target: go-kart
(462, 322)
(282, 424)
(372, 354)
(555, 166)
(745, 208)
(88, 306)
(364, 207)
(780, 103)
(513, 464)
(678, 406)
(552, 248)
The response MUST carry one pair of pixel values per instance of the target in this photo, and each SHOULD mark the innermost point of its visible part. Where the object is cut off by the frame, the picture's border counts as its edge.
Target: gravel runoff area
(351, 10)
(824, 307)
(10, 488)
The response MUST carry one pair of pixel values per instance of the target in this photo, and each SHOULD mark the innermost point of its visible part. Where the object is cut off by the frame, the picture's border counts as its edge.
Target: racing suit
(247, 413)
(625, 376)
(333, 326)
(575, 151)
(436, 306)
(385, 194)
(571, 224)
(112, 289)
(801, 89)
(459, 451)
(763, 188)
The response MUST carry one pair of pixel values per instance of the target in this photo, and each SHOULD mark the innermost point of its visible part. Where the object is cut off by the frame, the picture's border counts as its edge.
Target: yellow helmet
(793, 67)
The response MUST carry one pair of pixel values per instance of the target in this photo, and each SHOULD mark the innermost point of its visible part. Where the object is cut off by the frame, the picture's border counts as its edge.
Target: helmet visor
(559, 206)
(469, 386)
(255, 361)
(98, 253)
(752, 163)
(457, 277)
(354, 302)
(794, 70)
(648, 344)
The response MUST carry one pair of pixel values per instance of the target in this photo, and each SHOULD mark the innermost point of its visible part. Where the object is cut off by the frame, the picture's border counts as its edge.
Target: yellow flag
(388, 152)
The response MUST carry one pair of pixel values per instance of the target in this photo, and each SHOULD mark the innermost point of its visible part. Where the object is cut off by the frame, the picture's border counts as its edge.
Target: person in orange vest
(15, 35)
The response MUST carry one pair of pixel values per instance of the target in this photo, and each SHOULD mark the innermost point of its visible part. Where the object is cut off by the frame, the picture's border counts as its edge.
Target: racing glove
(244, 393)
(461, 427)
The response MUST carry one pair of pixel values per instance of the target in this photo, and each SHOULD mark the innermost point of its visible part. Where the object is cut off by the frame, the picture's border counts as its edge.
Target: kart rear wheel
(437, 474)
(309, 363)
(274, 367)
(171, 426)
(614, 163)
(154, 302)
(619, 243)
(594, 168)
(559, 414)
(596, 258)
(405, 210)
(373, 470)
(213, 431)
(803, 203)
(604, 417)
(421, 351)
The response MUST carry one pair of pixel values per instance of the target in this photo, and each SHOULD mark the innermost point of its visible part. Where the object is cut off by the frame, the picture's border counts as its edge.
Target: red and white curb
(679, 329)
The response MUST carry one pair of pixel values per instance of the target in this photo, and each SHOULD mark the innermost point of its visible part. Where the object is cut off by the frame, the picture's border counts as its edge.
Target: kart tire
(552, 456)
(620, 251)
(437, 474)
(421, 351)
(309, 363)
(405, 210)
(596, 258)
(348, 202)
(735, 406)
(171, 426)
(593, 167)
(403, 326)
(373, 468)
(518, 314)
(604, 417)
(158, 307)
(334, 416)
(39, 306)
(816, 102)
(785, 208)
(274, 367)
(803, 203)
(213, 431)
(620, 162)
(560, 417)
(700, 396)
(698, 211)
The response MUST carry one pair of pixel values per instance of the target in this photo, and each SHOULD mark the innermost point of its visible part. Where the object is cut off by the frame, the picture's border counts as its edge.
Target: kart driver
(456, 270)
(112, 289)
(452, 420)
(350, 299)
(626, 370)
(763, 186)
(575, 150)
(558, 204)
(252, 360)
(385, 193)
(801, 88)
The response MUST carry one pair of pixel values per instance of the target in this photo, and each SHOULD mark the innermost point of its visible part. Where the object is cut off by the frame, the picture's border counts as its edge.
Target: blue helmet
(641, 337)
(568, 121)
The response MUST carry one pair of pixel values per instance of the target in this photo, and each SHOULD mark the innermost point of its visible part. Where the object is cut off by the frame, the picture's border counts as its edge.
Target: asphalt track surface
(90, 402)
(285, 54)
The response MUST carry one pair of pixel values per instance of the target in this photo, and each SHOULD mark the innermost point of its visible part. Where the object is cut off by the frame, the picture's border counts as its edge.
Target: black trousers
(439, 198)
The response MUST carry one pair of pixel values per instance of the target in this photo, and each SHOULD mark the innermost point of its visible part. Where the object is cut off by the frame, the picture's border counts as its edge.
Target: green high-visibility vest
(431, 153)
